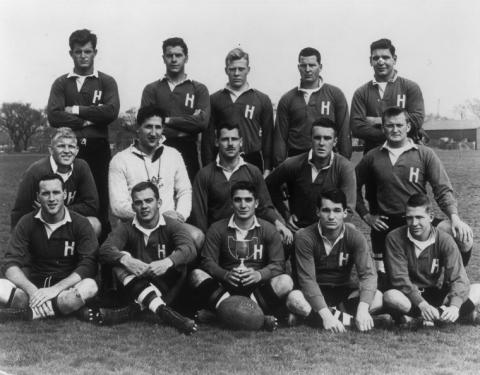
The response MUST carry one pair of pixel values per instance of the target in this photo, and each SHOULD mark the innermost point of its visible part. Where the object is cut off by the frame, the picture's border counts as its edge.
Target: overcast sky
(437, 43)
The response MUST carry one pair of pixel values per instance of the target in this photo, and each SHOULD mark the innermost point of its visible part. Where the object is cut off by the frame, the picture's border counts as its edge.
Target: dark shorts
(336, 295)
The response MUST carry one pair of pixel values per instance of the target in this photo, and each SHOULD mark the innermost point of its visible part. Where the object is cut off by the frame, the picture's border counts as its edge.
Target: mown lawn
(67, 346)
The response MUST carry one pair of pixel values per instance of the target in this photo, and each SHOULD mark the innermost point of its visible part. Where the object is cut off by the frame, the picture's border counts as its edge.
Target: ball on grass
(240, 313)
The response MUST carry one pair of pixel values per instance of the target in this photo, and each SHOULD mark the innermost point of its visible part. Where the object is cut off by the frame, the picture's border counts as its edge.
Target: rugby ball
(240, 313)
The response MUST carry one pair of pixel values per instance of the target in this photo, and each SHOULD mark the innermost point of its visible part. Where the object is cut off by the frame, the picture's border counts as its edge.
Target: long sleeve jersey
(316, 268)
(187, 106)
(366, 102)
(394, 184)
(72, 247)
(252, 111)
(98, 103)
(129, 167)
(409, 273)
(211, 194)
(265, 251)
(170, 240)
(82, 196)
(294, 120)
(296, 172)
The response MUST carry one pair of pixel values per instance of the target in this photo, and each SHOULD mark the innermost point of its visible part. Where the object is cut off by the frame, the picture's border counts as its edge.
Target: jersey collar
(76, 75)
(233, 225)
(54, 166)
(66, 218)
(391, 80)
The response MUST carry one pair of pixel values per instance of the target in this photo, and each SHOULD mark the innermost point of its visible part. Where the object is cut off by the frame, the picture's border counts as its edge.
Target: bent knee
(282, 284)
(95, 223)
(198, 276)
(87, 288)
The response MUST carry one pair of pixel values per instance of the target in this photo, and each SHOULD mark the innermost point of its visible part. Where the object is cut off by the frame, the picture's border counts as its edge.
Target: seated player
(325, 253)
(398, 169)
(243, 255)
(149, 256)
(417, 254)
(58, 248)
(211, 188)
(82, 196)
(311, 172)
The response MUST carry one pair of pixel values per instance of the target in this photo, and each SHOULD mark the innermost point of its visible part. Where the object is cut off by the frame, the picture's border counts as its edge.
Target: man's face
(229, 143)
(244, 204)
(331, 215)
(383, 63)
(146, 206)
(51, 197)
(83, 56)
(150, 133)
(396, 129)
(323, 141)
(64, 151)
(175, 60)
(419, 222)
(237, 72)
(309, 69)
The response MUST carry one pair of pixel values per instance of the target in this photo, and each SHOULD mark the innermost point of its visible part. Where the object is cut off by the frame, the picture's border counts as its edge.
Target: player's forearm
(190, 124)
(68, 282)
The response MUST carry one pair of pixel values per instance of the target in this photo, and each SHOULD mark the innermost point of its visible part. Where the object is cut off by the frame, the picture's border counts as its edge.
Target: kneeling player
(325, 253)
(149, 256)
(59, 249)
(243, 255)
(416, 255)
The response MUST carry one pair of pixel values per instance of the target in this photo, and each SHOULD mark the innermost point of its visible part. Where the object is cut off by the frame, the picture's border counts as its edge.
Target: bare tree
(21, 122)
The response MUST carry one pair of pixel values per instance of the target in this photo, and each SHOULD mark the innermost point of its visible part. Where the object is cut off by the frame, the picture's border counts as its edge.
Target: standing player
(87, 101)
(325, 253)
(150, 256)
(310, 173)
(50, 260)
(302, 105)
(82, 196)
(238, 103)
(243, 239)
(385, 90)
(416, 256)
(211, 188)
(184, 101)
(399, 169)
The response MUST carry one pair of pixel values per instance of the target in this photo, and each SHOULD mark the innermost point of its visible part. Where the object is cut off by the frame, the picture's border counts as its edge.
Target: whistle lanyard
(157, 180)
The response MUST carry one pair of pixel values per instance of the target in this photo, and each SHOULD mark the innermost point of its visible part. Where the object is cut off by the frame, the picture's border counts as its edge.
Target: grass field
(67, 346)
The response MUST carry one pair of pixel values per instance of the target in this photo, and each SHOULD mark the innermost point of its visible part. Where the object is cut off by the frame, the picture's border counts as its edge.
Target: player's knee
(464, 246)
(12, 296)
(282, 284)
(474, 294)
(198, 276)
(95, 223)
(74, 298)
(377, 302)
(297, 303)
(87, 288)
(197, 235)
(393, 298)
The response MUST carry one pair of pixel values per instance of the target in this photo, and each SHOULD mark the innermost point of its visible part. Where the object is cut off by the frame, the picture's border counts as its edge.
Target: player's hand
(69, 109)
(292, 223)
(363, 319)
(450, 314)
(43, 310)
(43, 295)
(376, 221)
(174, 215)
(249, 276)
(429, 312)
(135, 266)
(330, 323)
(287, 235)
(233, 277)
(159, 267)
(461, 231)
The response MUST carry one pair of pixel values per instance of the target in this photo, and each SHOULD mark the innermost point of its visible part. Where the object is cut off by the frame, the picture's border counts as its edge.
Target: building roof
(451, 124)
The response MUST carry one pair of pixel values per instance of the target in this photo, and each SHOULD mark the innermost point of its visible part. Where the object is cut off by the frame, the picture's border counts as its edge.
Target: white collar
(141, 228)
(422, 245)
(66, 218)
(237, 167)
(320, 85)
(54, 166)
(407, 147)
(76, 75)
(238, 92)
(232, 224)
(393, 79)
(310, 156)
(340, 236)
(185, 79)
(134, 147)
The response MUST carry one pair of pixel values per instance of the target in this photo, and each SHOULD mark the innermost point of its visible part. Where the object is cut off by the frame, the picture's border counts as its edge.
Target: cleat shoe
(384, 321)
(173, 318)
(270, 323)
(9, 314)
(103, 316)
(407, 322)
(205, 316)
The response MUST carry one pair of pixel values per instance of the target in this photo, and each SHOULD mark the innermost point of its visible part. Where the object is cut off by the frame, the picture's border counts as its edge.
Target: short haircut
(82, 37)
(228, 126)
(236, 54)
(175, 42)
(144, 185)
(147, 112)
(335, 195)
(382, 44)
(50, 177)
(324, 122)
(393, 112)
(63, 132)
(420, 200)
(309, 51)
(244, 185)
